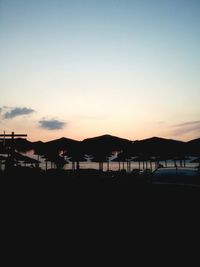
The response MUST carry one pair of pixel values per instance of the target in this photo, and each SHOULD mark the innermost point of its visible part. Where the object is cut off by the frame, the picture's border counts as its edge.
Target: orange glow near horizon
(48, 136)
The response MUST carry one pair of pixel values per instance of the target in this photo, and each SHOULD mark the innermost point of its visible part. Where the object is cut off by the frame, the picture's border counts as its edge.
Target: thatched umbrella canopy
(20, 157)
(102, 147)
(39, 149)
(26, 160)
(56, 159)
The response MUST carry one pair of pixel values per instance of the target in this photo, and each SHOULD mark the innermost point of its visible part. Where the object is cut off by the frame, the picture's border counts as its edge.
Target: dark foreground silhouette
(60, 152)
(91, 178)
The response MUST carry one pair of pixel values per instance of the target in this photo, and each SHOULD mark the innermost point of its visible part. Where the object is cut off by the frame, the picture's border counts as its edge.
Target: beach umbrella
(75, 156)
(181, 158)
(159, 158)
(25, 159)
(144, 159)
(123, 157)
(19, 157)
(58, 160)
(101, 157)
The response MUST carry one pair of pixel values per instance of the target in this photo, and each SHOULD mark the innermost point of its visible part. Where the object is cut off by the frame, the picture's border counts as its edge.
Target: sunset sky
(82, 68)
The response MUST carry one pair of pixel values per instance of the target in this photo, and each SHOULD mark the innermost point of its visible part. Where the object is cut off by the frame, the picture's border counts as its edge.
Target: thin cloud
(160, 122)
(52, 124)
(15, 112)
(188, 123)
(187, 128)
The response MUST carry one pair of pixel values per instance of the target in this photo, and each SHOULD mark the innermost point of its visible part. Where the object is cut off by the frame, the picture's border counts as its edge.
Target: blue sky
(85, 68)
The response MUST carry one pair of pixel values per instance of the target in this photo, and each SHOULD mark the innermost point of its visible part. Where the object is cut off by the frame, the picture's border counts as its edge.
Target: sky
(83, 68)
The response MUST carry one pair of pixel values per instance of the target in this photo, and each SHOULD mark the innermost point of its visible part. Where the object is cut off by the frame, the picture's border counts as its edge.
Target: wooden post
(12, 150)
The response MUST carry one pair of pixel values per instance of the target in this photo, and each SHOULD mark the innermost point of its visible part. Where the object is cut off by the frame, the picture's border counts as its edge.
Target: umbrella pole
(151, 165)
(175, 163)
(77, 165)
(107, 165)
